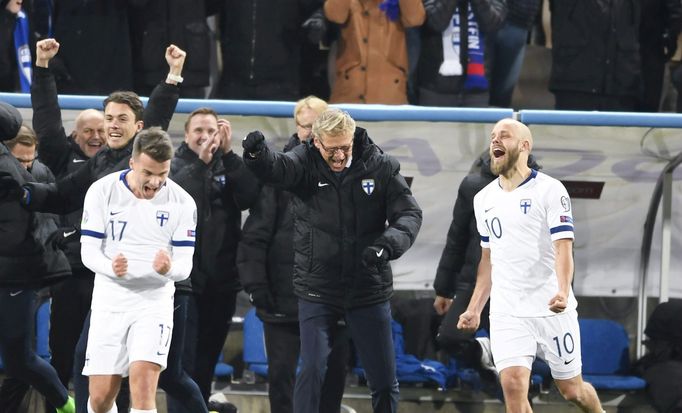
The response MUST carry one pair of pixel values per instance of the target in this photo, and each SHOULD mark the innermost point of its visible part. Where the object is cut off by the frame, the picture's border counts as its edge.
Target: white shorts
(117, 339)
(515, 341)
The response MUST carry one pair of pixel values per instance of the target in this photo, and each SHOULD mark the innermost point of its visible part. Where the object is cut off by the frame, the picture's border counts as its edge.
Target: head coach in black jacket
(345, 191)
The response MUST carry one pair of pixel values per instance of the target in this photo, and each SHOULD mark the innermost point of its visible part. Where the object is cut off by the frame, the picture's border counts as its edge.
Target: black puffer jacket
(335, 219)
(24, 260)
(68, 194)
(60, 153)
(459, 261)
(265, 258)
(596, 47)
(221, 190)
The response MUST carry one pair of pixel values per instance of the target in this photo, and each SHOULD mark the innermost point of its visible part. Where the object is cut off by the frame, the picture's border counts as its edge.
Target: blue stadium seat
(255, 357)
(223, 370)
(606, 355)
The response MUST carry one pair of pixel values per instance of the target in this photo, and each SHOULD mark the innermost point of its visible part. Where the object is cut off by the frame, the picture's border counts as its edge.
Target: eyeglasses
(344, 149)
(304, 127)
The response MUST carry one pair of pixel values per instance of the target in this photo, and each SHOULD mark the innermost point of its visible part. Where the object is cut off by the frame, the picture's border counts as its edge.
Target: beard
(506, 167)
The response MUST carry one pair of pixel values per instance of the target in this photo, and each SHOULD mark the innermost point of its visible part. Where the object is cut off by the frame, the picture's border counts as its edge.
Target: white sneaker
(486, 354)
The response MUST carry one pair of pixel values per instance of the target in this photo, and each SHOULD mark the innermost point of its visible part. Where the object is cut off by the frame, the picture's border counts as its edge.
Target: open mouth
(498, 152)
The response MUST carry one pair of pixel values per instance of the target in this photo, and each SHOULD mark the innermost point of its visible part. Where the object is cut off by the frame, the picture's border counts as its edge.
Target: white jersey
(519, 228)
(118, 222)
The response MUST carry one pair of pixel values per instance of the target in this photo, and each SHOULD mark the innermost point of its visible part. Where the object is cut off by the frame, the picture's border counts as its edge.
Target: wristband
(174, 78)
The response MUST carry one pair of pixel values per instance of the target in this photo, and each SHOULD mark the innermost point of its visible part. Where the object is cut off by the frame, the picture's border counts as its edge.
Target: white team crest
(162, 217)
(368, 186)
(525, 205)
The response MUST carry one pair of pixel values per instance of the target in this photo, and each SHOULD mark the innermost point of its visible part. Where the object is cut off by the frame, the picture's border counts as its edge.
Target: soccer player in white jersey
(525, 221)
(138, 233)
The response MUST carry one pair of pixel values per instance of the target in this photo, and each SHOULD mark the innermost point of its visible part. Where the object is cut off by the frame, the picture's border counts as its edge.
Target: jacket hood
(10, 121)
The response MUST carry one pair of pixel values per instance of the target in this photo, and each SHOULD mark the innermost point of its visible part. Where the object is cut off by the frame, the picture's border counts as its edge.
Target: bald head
(510, 146)
(89, 132)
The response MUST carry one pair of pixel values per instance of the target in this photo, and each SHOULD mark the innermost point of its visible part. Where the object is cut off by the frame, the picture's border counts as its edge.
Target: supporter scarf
(452, 65)
(23, 51)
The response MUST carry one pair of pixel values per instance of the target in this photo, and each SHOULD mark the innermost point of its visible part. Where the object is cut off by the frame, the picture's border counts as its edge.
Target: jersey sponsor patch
(368, 186)
(191, 233)
(564, 218)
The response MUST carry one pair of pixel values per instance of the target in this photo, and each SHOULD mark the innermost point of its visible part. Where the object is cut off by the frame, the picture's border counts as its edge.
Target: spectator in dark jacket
(25, 266)
(16, 41)
(260, 43)
(452, 72)
(506, 48)
(595, 54)
(345, 191)
(265, 260)
(154, 24)
(207, 168)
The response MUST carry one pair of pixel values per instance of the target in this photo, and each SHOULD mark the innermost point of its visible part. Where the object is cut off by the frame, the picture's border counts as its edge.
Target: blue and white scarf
(23, 52)
(452, 66)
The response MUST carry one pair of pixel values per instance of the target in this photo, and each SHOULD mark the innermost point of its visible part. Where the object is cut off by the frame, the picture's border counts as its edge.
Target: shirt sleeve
(559, 212)
(93, 232)
(480, 221)
(183, 241)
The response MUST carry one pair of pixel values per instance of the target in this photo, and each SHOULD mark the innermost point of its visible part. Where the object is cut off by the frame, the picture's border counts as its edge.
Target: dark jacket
(490, 15)
(458, 264)
(157, 23)
(335, 219)
(522, 13)
(68, 194)
(596, 47)
(265, 258)
(9, 80)
(24, 260)
(221, 190)
(95, 55)
(260, 44)
(60, 153)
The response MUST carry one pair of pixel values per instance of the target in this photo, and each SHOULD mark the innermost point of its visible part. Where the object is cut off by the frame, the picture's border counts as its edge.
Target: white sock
(113, 409)
(142, 411)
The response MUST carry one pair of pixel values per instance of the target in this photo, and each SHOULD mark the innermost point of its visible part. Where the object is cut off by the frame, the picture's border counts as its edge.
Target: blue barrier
(563, 117)
(286, 109)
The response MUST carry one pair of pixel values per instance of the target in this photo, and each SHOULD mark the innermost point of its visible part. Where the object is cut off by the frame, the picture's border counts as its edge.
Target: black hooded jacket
(336, 218)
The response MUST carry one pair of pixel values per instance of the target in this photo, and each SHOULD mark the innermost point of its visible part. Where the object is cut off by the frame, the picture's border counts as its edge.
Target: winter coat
(596, 47)
(371, 63)
(336, 218)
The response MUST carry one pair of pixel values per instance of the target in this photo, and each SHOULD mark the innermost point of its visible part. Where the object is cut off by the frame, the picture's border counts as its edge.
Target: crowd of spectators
(606, 55)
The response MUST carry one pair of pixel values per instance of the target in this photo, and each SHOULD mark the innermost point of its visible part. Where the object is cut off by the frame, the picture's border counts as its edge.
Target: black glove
(262, 299)
(10, 189)
(315, 27)
(63, 236)
(374, 256)
(253, 144)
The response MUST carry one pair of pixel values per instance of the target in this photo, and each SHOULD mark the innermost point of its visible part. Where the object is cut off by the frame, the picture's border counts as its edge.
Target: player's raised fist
(46, 49)
(162, 262)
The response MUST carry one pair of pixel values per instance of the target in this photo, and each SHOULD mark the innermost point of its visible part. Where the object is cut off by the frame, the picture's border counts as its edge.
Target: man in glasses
(345, 191)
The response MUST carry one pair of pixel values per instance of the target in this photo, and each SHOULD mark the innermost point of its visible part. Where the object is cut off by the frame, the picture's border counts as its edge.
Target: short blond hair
(25, 137)
(314, 103)
(333, 122)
